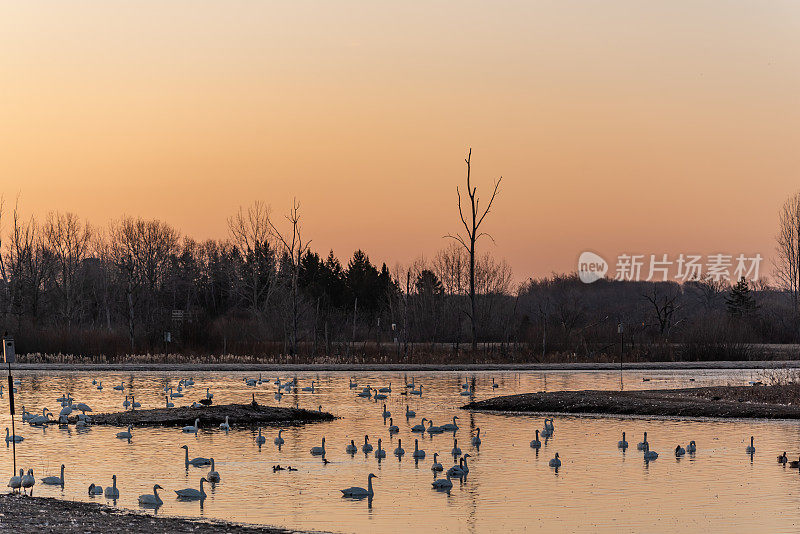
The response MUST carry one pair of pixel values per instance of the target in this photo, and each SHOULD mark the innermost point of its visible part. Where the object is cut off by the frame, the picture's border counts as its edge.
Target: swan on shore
(15, 482)
(356, 491)
(28, 481)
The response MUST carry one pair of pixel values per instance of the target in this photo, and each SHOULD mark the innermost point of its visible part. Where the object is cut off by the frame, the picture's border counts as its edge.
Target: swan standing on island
(111, 491)
(15, 482)
(225, 426)
(191, 494)
(151, 500)
(28, 481)
(356, 491)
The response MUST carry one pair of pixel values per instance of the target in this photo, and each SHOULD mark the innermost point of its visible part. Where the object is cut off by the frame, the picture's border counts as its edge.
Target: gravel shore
(761, 402)
(44, 514)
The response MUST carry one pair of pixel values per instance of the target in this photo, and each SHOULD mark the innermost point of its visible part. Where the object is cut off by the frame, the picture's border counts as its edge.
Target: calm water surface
(509, 488)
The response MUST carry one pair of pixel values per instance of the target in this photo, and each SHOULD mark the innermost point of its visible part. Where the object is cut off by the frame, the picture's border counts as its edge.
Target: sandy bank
(767, 402)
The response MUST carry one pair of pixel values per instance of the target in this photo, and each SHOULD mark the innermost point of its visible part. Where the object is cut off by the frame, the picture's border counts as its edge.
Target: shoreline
(396, 367)
(739, 402)
(51, 515)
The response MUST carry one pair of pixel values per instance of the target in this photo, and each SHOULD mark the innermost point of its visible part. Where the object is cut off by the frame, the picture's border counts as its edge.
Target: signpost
(9, 357)
(621, 332)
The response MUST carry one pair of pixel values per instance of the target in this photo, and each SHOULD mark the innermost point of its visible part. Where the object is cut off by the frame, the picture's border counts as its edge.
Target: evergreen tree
(740, 302)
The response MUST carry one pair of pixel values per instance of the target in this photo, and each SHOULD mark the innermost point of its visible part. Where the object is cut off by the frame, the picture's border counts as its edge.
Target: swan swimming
(55, 481)
(691, 448)
(442, 483)
(419, 427)
(648, 454)
(410, 413)
(191, 494)
(319, 451)
(418, 453)
(535, 444)
(94, 489)
(386, 413)
(111, 491)
(15, 438)
(213, 475)
(192, 428)
(366, 447)
(260, 439)
(751, 449)
(197, 462)
(622, 444)
(679, 451)
(125, 434)
(351, 449)
(436, 465)
(450, 427)
(356, 491)
(642, 445)
(380, 452)
(399, 451)
(393, 428)
(477, 439)
(151, 500)
(555, 462)
(279, 439)
(455, 451)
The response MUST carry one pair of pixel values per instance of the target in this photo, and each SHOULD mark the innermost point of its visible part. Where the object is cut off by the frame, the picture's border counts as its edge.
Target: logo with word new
(591, 267)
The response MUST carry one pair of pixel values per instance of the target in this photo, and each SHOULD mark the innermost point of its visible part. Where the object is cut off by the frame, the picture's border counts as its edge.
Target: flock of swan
(25, 481)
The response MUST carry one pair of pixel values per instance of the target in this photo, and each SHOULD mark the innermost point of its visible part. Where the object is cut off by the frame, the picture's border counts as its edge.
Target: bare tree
(473, 233)
(665, 304)
(294, 247)
(250, 232)
(787, 264)
(69, 238)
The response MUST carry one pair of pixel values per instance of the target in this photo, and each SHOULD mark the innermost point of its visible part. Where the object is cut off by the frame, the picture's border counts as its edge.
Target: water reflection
(508, 478)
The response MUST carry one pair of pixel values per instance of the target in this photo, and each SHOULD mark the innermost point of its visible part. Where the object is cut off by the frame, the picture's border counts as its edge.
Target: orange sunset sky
(618, 126)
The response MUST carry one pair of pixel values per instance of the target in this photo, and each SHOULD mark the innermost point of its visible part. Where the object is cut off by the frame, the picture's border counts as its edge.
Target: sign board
(9, 356)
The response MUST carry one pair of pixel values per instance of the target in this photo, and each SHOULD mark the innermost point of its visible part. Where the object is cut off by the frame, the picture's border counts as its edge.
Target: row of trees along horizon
(72, 292)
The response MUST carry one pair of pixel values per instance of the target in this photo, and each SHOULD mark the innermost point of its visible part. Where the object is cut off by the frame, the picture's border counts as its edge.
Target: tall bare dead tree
(294, 247)
(69, 239)
(473, 233)
(787, 264)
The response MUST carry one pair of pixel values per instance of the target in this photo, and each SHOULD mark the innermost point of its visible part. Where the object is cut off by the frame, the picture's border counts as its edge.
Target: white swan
(410, 413)
(351, 449)
(279, 439)
(380, 396)
(191, 494)
(386, 413)
(94, 489)
(622, 444)
(55, 481)
(750, 450)
(434, 429)
(494, 385)
(465, 467)
(319, 451)
(169, 404)
(555, 462)
(28, 481)
(366, 447)
(679, 451)
(399, 451)
(15, 438)
(387, 389)
(417, 391)
(174, 395)
(456, 471)
(225, 426)
(111, 491)
(83, 407)
(451, 427)
(691, 448)
(477, 439)
(192, 428)
(311, 389)
(126, 402)
(260, 440)
(135, 404)
(648, 454)
(15, 482)
(380, 452)
(120, 387)
(213, 475)
(420, 427)
(151, 500)
(125, 434)
(355, 491)
(393, 428)
(548, 429)
(197, 462)
(442, 483)
(436, 465)
(418, 453)
(455, 451)
(643, 444)
(100, 385)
